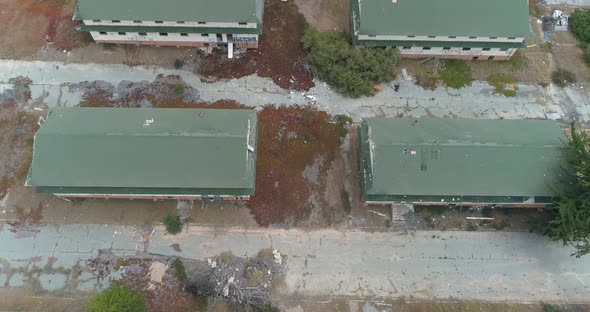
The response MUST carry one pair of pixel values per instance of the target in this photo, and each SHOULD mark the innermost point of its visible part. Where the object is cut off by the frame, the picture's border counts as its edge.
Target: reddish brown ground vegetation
(16, 145)
(280, 55)
(27, 222)
(289, 139)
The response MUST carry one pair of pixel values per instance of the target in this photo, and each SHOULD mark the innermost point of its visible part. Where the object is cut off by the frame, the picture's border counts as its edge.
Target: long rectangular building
(462, 29)
(460, 162)
(146, 153)
(196, 23)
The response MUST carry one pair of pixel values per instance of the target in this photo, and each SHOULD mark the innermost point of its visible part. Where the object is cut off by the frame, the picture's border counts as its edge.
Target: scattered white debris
(377, 213)
(213, 264)
(553, 116)
(277, 256)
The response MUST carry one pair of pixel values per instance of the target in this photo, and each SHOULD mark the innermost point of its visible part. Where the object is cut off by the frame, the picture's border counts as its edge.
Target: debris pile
(241, 281)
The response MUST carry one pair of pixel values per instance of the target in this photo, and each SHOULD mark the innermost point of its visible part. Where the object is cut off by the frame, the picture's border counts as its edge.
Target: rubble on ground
(243, 281)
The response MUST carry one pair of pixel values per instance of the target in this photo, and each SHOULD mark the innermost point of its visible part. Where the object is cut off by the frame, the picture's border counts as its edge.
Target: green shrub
(350, 71)
(579, 22)
(178, 63)
(179, 89)
(173, 224)
(551, 308)
(456, 74)
(547, 47)
(180, 271)
(586, 57)
(117, 298)
(562, 77)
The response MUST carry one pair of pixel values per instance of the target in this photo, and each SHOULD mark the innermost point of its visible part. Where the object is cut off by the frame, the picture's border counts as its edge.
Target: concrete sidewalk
(425, 264)
(51, 81)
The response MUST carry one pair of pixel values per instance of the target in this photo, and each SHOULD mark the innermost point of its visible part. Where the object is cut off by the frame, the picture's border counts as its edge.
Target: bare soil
(326, 15)
(280, 55)
(504, 219)
(16, 141)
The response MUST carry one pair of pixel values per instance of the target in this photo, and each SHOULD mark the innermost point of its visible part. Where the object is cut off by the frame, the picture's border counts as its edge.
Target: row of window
(453, 37)
(122, 33)
(464, 49)
(157, 22)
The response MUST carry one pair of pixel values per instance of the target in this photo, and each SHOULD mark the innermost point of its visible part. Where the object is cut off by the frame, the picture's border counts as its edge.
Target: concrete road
(425, 264)
(51, 82)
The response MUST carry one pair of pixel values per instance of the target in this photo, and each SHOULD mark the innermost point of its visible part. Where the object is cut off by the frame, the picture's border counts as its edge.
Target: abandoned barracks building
(146, 153)
(461, 29)
(510, 163)
(195, 23)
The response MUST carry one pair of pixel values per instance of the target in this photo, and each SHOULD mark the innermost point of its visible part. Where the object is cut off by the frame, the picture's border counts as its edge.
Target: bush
(562, 77)
(117, 298)
(579, 22)
(456, 74)
(173, 224)
(586, 57)
(551, 308)
(180, 271)
(352, 72)
(179, 89)
(178, 63)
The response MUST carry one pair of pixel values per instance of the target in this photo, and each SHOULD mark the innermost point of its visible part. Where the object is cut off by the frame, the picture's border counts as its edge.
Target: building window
(452, 37)
(184, 34)
(163, 34)
(204, 35)
(511, 37)
(96, 21)
(431, 36)
(202, 23)
(446, 48)
(103, 33)
(136, 22)
(159, 22)
(242, 23)
(493, 37)
(504, 49)
(121, 33)
(426, 48)
(179, 22)
(466, 49)
(406, 48)
(115, 21)
(411, 36)
(472, 37)
(142, 34)
(486, 49)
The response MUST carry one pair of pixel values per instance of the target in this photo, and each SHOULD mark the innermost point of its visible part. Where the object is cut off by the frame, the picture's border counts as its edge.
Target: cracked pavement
(51, 81)
(492, 266)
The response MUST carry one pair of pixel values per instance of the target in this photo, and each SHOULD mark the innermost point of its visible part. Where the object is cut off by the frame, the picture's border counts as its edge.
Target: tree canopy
(580, 24)
(571, 224)
(351, 71)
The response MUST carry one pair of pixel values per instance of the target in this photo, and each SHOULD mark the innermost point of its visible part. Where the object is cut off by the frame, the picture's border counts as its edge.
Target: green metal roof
(441, 44)
(92, 149)
(435, 158)
(482, 18)
(243, 11)
(171, 29)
